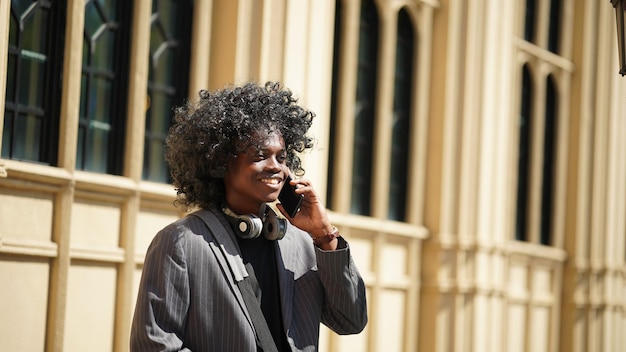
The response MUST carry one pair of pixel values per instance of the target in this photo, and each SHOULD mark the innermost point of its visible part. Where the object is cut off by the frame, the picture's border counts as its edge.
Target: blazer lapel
(226, 251)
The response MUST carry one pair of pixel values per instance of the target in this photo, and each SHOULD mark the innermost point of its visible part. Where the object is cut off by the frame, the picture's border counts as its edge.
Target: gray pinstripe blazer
(188, 299)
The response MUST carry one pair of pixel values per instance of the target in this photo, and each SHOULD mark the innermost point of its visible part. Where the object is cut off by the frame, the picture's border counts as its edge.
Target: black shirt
(260, 253)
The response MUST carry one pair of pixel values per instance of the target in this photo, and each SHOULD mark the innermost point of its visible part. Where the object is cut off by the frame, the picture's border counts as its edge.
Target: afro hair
(211, 131)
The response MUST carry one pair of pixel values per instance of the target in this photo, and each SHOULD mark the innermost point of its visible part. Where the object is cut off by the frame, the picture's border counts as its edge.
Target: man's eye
(281, 158)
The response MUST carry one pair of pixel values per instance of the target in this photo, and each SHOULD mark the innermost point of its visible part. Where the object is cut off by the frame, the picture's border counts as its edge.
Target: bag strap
(247, 287)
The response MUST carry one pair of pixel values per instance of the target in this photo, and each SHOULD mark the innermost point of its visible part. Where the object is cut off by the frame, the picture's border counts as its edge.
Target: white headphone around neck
(251, 226)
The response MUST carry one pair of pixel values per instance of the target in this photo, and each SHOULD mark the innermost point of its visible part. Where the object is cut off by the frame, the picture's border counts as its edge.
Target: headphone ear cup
(248, 226)
(274, 227)
(245, 226)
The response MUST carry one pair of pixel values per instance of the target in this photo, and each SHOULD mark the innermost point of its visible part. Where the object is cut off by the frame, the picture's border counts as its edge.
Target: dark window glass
(403, 92)
(334, 115)
(168, 79)
(102, 120)
(549, 161)
(525, 120)
(33, 86)
(365, 109)
(530, 20)
(555, 26)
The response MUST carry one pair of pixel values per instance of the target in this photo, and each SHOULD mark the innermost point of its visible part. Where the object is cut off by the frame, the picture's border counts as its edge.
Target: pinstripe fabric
(188, 299)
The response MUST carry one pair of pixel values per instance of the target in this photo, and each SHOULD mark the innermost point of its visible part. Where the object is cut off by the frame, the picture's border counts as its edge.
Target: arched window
(33, 82)
(523, 164)
(540, 105)
(102, 120)
(549, 160)
(372, 122)
(365, 109)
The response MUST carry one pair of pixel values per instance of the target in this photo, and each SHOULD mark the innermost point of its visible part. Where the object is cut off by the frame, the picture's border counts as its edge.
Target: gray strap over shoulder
(227, 245)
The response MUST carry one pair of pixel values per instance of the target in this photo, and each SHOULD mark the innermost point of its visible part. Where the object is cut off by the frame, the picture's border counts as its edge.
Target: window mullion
(347, 82)
(543, 24)
(138, 69)
(381, 166)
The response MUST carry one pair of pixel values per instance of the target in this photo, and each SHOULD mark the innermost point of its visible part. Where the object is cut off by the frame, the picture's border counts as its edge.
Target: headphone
(251, 226)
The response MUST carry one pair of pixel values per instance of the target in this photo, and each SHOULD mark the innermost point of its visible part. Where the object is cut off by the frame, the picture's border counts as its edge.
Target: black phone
(289, 199)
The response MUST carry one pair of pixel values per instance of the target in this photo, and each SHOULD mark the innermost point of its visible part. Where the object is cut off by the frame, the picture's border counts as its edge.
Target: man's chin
(271, 198)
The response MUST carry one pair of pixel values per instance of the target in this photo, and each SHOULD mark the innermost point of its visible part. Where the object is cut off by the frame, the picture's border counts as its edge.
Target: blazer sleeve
(345, 306)
(163, 297)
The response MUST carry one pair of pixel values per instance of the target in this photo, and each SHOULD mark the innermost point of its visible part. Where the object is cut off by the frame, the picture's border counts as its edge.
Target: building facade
(471, 151)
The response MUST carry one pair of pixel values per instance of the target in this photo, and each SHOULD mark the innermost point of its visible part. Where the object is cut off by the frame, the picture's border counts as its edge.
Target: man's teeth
(271, 181)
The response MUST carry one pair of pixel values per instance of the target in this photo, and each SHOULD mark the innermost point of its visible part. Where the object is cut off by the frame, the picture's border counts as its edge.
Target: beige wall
(449, 279)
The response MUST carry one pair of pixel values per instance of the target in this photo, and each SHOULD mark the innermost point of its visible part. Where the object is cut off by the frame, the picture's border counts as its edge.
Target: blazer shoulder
(186, 229)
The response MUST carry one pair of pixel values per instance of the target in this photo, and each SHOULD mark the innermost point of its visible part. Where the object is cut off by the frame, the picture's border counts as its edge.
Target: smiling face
(256, 176)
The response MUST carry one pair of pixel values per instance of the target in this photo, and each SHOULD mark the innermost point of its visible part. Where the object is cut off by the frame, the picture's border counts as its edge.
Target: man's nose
(273, 164)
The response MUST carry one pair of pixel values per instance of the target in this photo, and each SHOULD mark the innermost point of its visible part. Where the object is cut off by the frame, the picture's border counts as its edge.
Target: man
(232, 275)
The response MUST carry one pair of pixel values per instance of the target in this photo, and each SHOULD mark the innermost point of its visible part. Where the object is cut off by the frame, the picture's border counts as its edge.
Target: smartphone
(289, 199)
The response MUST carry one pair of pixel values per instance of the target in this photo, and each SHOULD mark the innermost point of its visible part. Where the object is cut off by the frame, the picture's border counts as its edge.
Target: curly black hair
(210, 132)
